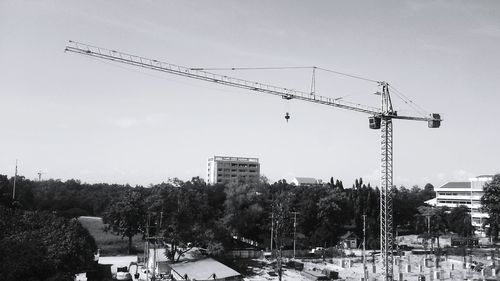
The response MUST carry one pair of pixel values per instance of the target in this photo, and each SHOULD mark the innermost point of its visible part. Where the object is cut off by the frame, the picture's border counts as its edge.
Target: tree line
(209, 215)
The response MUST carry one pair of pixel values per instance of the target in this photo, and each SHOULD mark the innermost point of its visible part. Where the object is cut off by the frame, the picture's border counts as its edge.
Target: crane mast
(386, 238)
(381, 118)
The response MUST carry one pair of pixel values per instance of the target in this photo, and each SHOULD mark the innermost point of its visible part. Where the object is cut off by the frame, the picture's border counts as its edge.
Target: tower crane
(380, 118)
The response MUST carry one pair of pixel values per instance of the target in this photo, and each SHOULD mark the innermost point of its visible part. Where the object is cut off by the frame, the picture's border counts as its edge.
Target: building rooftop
(204, 269)
(230, 158)
(454, 184)
(348, 234)
(484, 176)
(431, 202)
(301, 180)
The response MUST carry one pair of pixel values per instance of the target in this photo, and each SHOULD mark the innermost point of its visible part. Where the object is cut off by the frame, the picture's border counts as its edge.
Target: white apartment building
(226, 169)
(454, 194)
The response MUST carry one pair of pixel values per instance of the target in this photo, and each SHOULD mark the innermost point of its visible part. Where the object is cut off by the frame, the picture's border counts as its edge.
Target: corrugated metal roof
(204, 269)
(453, 184)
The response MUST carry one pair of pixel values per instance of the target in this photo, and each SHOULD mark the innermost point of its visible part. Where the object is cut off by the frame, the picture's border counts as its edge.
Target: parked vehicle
(122, 274)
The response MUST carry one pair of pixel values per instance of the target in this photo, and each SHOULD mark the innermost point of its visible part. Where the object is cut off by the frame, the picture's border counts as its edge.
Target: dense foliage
(42, 246)
(208, 216)
(491, 205)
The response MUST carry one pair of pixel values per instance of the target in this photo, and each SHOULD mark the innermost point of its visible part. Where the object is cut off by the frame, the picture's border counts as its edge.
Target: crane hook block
(287, 117)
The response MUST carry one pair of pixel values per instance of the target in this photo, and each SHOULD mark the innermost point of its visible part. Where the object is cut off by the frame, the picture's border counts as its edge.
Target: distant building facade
(301, 181)
(349, 240)
(227, 169)
(454, 194)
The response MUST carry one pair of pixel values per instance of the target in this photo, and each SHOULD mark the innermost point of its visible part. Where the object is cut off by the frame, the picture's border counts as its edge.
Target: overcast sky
(75, 117)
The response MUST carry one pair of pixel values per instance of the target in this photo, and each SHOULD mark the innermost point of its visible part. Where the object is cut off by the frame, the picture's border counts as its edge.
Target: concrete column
(408, 268)
(437, 275)
(374, 269)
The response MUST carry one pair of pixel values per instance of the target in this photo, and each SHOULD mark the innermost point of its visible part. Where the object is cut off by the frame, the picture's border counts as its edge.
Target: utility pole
(294, 231)
(365, 272)
(428, 224)
(272, 230)
(14, 188)
(471, 221)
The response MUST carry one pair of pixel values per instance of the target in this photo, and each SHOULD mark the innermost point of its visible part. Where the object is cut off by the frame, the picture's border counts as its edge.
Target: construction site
(125, 113)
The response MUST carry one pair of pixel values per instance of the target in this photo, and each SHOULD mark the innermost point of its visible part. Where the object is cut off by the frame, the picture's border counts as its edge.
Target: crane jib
(198, 73)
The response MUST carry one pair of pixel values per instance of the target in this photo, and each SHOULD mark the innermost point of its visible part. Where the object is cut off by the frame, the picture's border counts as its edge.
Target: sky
(71, 116)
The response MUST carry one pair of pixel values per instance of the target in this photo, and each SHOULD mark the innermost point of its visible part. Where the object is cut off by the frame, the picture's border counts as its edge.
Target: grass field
(108, 243)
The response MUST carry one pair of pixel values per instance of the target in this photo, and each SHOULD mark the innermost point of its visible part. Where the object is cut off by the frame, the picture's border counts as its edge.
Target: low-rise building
(349, 240)
(227, 169)
(302, 181)
(467, 193)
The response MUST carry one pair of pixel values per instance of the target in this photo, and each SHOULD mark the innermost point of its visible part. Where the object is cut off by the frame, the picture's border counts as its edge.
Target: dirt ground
(451, 268)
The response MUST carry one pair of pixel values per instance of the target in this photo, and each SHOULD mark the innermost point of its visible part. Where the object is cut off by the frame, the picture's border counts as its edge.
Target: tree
(435, 217)
(42, 246)
(126, 216)
(191, 217)
(333, 214)
(459, 221)
(244, 212)
(491, 204)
